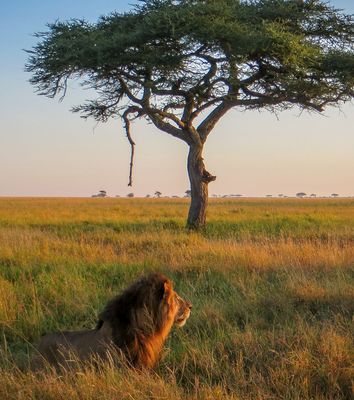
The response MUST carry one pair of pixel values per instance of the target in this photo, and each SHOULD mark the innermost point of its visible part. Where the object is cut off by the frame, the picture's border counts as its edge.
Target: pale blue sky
(47, 151)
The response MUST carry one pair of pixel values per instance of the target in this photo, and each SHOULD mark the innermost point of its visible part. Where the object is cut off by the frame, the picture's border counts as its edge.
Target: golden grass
(271, 282)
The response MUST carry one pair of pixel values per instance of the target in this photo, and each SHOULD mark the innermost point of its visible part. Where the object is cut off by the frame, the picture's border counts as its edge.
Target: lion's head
(184, 311)
(142, 317)
(136, 323)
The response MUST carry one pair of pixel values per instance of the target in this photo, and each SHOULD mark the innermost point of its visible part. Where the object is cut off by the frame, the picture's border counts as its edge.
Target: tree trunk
(199, 179)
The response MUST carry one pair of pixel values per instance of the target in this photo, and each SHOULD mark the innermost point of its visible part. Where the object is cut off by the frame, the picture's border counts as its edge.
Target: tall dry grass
(271, 282)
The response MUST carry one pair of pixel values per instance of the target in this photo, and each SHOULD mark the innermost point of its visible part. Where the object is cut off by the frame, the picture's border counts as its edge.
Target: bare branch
(128, 92)
(257, 95)
(125, 117)
(212, 70)
(206, 106)
(173, 105)
(158, 121)
(167, 115)
(188, 110)
(210, 121)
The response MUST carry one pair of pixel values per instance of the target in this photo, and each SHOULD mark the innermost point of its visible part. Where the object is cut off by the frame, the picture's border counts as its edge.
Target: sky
(45, 150)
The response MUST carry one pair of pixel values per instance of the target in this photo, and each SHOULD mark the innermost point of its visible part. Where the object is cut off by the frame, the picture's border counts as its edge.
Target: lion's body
(58, 347)
(135, 323)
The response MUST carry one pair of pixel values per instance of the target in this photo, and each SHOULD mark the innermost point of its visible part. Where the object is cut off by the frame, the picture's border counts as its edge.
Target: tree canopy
(249, 53)
(182, 64)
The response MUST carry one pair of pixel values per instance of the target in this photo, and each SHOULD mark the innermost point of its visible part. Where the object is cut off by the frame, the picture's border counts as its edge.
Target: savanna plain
(271, 282)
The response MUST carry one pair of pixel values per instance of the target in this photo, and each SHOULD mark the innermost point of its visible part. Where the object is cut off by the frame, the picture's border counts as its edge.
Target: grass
(271, 282)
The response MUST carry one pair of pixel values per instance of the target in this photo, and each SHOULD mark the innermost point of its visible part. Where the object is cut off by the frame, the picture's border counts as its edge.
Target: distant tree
(269, 195)
(280, 195)
(188, 193)
(101, 193)
(334, 195)
(313, 195)
(130, 195)
(183, 64)
(158, 194)
(147, 196)
(300, 194)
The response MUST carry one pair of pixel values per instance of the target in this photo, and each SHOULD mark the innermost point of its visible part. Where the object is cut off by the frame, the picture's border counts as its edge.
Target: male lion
(135, 323)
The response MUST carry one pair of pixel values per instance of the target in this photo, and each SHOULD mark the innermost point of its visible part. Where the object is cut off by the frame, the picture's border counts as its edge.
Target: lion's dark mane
(135, 314)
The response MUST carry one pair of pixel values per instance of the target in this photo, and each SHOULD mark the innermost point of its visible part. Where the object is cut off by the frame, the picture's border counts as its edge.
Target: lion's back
(54, 348)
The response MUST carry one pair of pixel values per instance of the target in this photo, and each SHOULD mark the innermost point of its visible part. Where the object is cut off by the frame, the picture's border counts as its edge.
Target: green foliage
(191, 54)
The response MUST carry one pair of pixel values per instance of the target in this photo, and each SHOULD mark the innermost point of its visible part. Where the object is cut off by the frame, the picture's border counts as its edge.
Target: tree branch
(206, 105)
(158, 121)
(167, 115)
(210, 121)
(125, 117)
(188, 110)
(128, 92)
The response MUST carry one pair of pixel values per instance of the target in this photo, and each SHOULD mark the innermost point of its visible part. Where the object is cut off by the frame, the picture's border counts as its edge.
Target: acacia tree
(183, 64)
